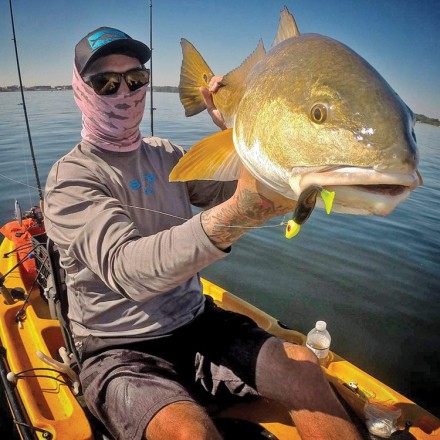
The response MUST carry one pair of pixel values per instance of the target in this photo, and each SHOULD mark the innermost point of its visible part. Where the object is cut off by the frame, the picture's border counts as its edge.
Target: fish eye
(318, 113)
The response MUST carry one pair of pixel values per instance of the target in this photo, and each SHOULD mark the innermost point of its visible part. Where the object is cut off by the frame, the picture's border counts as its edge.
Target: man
(153, 348)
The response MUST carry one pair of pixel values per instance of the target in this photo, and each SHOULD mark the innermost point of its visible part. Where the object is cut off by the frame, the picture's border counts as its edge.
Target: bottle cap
(321, 325)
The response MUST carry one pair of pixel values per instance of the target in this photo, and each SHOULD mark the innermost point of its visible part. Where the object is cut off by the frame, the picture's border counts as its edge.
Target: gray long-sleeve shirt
(128, 239)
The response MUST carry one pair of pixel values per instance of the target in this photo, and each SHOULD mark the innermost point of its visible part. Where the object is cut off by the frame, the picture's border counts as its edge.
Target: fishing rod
(151, 69)
(34, 162)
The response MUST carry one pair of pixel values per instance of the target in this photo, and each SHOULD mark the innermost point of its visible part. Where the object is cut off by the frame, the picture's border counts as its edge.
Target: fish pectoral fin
(213, 158)
(194, 73)
(287, 27)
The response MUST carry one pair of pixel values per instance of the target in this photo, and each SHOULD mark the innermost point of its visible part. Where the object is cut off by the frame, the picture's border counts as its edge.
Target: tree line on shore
(171, 89)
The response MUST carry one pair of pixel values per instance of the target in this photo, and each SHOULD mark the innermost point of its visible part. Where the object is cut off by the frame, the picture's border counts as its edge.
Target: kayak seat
(53, 290)
(51, 279)
(56, 294)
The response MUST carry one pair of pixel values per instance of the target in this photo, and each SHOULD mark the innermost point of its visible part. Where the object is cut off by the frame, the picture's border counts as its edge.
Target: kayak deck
(50, 405)
(339, 372)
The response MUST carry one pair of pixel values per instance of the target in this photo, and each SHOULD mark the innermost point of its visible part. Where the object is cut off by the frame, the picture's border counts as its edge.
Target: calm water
(376, 281)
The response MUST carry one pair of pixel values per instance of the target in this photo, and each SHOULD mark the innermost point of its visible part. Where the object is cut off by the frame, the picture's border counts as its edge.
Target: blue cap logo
(105, 36)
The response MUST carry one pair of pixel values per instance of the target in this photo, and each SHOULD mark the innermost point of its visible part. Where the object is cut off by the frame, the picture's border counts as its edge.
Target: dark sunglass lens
(137, 78)
(106, 83)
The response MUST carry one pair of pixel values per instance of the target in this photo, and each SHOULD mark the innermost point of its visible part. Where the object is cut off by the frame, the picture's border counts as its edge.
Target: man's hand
(277, 204)
(214, 85)
(252, 205)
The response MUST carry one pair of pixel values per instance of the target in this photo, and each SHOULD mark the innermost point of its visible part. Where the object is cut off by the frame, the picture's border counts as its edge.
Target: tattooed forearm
(227, 222)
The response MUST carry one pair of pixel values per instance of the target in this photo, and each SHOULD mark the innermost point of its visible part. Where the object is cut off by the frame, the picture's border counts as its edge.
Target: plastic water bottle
(318, 340)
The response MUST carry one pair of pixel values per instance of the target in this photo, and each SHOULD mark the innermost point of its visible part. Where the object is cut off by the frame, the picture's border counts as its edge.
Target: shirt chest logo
(147, 184)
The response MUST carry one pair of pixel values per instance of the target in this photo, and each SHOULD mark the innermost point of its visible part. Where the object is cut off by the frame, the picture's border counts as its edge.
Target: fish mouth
(387, 190)
(358, 190)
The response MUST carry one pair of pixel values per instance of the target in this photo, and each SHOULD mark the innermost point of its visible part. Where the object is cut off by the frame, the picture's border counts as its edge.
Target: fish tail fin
(194, 73)
(287, 27)
(213, 158)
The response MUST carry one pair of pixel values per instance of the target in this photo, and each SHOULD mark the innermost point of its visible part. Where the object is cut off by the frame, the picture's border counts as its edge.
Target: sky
(400, 38)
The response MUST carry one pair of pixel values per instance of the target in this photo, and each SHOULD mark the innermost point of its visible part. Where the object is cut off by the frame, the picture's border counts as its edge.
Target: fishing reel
(35, 213)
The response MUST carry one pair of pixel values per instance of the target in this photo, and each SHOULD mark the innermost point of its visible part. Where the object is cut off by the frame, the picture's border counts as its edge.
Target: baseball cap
(105, 41)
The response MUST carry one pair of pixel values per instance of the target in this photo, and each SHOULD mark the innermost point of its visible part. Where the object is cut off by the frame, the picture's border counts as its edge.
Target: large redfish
(308, 114)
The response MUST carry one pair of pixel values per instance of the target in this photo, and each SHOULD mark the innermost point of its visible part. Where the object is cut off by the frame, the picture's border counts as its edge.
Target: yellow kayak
(45, 402)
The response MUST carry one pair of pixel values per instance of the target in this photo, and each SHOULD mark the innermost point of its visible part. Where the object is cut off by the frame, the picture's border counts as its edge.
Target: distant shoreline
(169, 89)
(166, 89)
(425, 120)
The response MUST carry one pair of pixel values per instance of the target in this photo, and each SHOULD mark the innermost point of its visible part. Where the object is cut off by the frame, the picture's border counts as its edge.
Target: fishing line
(17, 181)
(224, 226)
(26, 171)
(283, 222)
(24, 165)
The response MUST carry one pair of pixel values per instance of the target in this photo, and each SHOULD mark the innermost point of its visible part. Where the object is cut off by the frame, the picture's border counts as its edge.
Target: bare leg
(291, 374)
(182, 421)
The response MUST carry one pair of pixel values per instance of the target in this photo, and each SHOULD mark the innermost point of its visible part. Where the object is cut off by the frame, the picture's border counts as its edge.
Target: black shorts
(211, 360)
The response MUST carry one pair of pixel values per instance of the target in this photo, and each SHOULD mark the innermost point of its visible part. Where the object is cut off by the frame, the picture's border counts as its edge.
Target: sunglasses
(108, 83)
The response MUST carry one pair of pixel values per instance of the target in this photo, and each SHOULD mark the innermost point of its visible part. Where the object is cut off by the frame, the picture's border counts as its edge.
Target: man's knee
(283, 366)
(182, 421)
(300, 353)
(284, 353)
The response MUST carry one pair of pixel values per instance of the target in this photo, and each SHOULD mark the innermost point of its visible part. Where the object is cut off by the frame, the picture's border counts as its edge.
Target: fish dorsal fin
(213, 158)
(228, 97)
(287, 27)
(194, 73)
